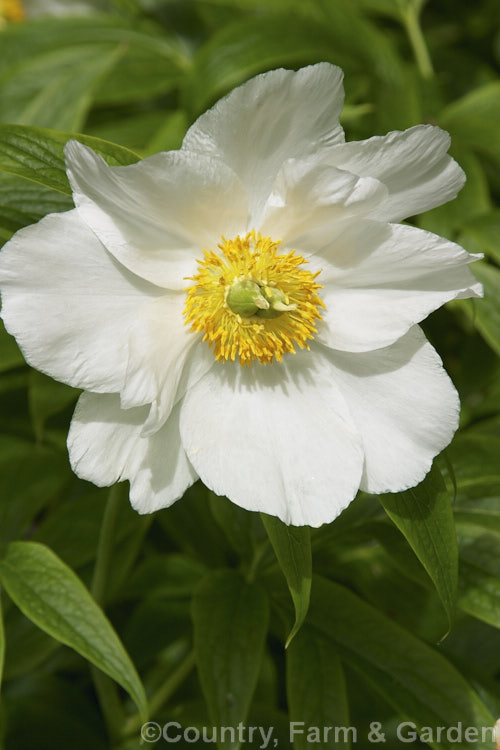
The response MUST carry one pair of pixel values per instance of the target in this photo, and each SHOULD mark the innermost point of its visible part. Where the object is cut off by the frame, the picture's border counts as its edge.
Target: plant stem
(105, 546)
(411, 20)
(107, 693)
(163, 693)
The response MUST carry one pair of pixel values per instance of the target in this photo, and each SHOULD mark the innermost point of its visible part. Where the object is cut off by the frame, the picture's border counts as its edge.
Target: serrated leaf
(424, 516)
(54, 598)
(230, 624)
(415, 678)
(292, 545)
(316, 691)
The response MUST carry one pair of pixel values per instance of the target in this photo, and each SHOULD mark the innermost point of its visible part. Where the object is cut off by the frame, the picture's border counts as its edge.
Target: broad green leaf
(292, 545)
(415, 678)
(165, 576)
(243, 529)
(484, 231)
(150, 63)
(241, 50)
(29, 647)
(475, 462)
(23, 202)
(480, 593)
(473, 119)
(31, 477)
(424, 516)
(203, 540)
(486, 312)
(316, 690)
(47, 398)
(230, 625)
(2, 642)
(54, 598)
(473, 199)
(54, 88)
(36, 154)
(10, 356)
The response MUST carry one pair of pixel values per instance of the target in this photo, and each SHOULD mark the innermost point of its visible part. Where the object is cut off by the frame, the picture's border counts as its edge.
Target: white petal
(413, 164)
(106, 446)
(381, 279)
(308, 198)
(404, 406)
(273, 117)
(274, 438)
(157, 216)
(165, 359)
(69, 303)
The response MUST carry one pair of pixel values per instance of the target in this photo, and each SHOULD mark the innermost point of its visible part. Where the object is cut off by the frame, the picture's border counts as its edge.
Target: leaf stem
(107, 693)
(105, 545)
(411, 20)
(163, 694)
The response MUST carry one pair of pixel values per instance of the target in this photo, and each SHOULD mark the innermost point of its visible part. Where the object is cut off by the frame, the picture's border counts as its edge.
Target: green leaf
(31, 477)
(480, 593)
(486, 312)
(54, 598)
(23, 202)
(424, 516)
(241, 50)
(149, 63)
(475, 462)
(316, 691)
(484, 231)
(10, 356)
(413, 677)
(473, 199)
(55, 87)
(36, 154)
(47, 398)
(230, 624)
(292, 545)
(243, 529)
(2, 643)
(473, 119)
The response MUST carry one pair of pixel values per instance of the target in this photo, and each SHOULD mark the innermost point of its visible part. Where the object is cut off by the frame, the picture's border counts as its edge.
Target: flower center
(251, 303)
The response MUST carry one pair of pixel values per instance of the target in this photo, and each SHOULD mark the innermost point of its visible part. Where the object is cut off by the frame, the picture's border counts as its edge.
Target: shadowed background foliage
(403, 617)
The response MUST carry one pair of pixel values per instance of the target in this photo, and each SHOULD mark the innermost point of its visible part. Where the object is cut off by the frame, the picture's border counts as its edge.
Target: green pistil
(248, 299)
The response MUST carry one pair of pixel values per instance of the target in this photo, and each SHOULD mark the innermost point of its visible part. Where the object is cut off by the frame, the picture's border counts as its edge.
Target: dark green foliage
(398, 616)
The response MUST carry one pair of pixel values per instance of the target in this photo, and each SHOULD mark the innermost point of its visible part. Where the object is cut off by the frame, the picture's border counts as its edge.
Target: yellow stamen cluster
(11, 10)
(289, 290)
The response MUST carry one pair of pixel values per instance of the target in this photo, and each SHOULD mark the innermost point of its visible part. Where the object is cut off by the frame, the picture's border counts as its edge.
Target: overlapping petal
(309, 201)
(165, 359)
(381, 279)
(275, 439)
(413, 164)
(157, 215)
(273, 117)
(106, 446)
(404, 406)
(69, 303)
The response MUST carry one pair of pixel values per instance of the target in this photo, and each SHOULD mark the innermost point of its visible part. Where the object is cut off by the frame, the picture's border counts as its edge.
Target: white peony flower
(245, 310)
